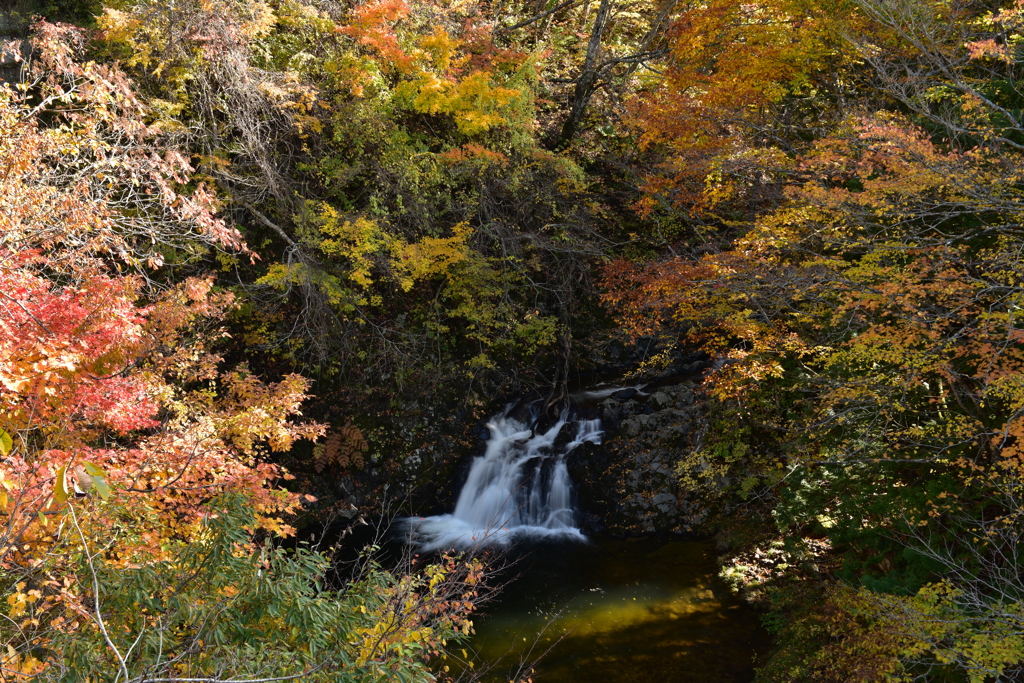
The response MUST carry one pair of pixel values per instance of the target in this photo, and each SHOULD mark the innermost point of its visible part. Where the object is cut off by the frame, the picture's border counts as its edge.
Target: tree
(137, 501)
(871, 351)
(224, 610)
(364, 140)
(600, 68)
(746, 85)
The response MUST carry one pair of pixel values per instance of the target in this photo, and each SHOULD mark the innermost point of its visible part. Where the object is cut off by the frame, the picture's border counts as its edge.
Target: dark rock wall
(629, 483)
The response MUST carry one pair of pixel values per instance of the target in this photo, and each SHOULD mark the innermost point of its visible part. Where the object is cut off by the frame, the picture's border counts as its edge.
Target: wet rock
(593, 524)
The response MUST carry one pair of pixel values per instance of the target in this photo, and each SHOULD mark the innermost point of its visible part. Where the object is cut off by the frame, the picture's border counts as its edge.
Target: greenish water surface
(617, 610)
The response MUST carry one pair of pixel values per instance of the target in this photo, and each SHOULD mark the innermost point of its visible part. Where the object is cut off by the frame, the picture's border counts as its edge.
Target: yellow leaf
(60, 491)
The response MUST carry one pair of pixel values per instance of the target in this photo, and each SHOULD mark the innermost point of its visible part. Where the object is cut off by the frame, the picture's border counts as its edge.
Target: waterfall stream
(520, 487)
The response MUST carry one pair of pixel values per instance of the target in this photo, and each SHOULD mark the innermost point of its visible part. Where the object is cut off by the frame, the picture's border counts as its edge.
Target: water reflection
(625, 610)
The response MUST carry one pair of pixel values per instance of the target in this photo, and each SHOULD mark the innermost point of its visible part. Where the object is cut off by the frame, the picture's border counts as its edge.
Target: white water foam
(520, 487)
(605, 392)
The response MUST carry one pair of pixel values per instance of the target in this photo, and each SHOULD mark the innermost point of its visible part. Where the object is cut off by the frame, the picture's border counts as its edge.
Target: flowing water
(601, 610)
(519, 488)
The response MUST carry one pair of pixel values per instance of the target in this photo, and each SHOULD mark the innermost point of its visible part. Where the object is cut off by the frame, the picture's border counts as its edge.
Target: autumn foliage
(740, 91)
(132, 456)
(453, 201)
(864, 318)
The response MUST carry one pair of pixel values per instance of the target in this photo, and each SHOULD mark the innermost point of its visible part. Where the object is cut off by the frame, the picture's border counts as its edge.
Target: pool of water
(618, 610)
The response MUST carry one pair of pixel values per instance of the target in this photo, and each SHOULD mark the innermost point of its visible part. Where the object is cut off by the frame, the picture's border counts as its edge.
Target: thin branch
(536, 18)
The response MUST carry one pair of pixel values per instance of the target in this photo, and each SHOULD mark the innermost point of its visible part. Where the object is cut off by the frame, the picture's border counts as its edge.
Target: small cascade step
(520, 487)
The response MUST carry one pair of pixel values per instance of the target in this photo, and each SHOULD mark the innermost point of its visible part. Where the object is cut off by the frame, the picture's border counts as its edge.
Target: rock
(630, 408)
(660, 399)
(667, 373)
(653, 436)
(642, 458)
(11, 58)
(673, 433)
(632, 426)
(611, 410)
(681, 395)
(695, 367)
(675, 415)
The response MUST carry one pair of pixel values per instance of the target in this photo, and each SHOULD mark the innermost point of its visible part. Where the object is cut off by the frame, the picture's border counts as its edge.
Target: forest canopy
(248, 247)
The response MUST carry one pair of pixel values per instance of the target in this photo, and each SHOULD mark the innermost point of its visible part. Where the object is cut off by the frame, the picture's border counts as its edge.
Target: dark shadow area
(620, 610)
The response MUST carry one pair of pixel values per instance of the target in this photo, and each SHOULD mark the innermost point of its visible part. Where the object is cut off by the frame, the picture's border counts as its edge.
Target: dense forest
(265, 265)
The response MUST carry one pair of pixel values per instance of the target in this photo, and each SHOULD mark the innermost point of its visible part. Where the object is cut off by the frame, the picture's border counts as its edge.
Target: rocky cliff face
(626, 485)
(651, 438)
(629, 484)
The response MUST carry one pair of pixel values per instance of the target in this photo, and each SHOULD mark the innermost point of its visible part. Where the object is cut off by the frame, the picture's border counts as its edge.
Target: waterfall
(519, 487)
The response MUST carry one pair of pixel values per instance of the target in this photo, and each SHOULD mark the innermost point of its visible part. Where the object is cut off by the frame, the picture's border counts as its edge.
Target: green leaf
(101, 487)
(6, 442)
(99, 479)
(60, 491)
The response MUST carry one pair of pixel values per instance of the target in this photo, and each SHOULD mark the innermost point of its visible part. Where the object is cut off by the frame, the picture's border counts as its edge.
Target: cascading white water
(519, 487)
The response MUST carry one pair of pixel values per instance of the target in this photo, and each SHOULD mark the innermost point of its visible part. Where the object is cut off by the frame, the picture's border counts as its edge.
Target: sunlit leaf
(60, 490)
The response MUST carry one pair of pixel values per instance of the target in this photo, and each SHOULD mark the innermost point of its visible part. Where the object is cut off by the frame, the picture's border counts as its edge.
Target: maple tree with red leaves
(128, 452)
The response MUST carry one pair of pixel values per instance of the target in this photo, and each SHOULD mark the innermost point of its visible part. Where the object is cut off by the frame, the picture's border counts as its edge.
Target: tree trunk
(587, 82)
